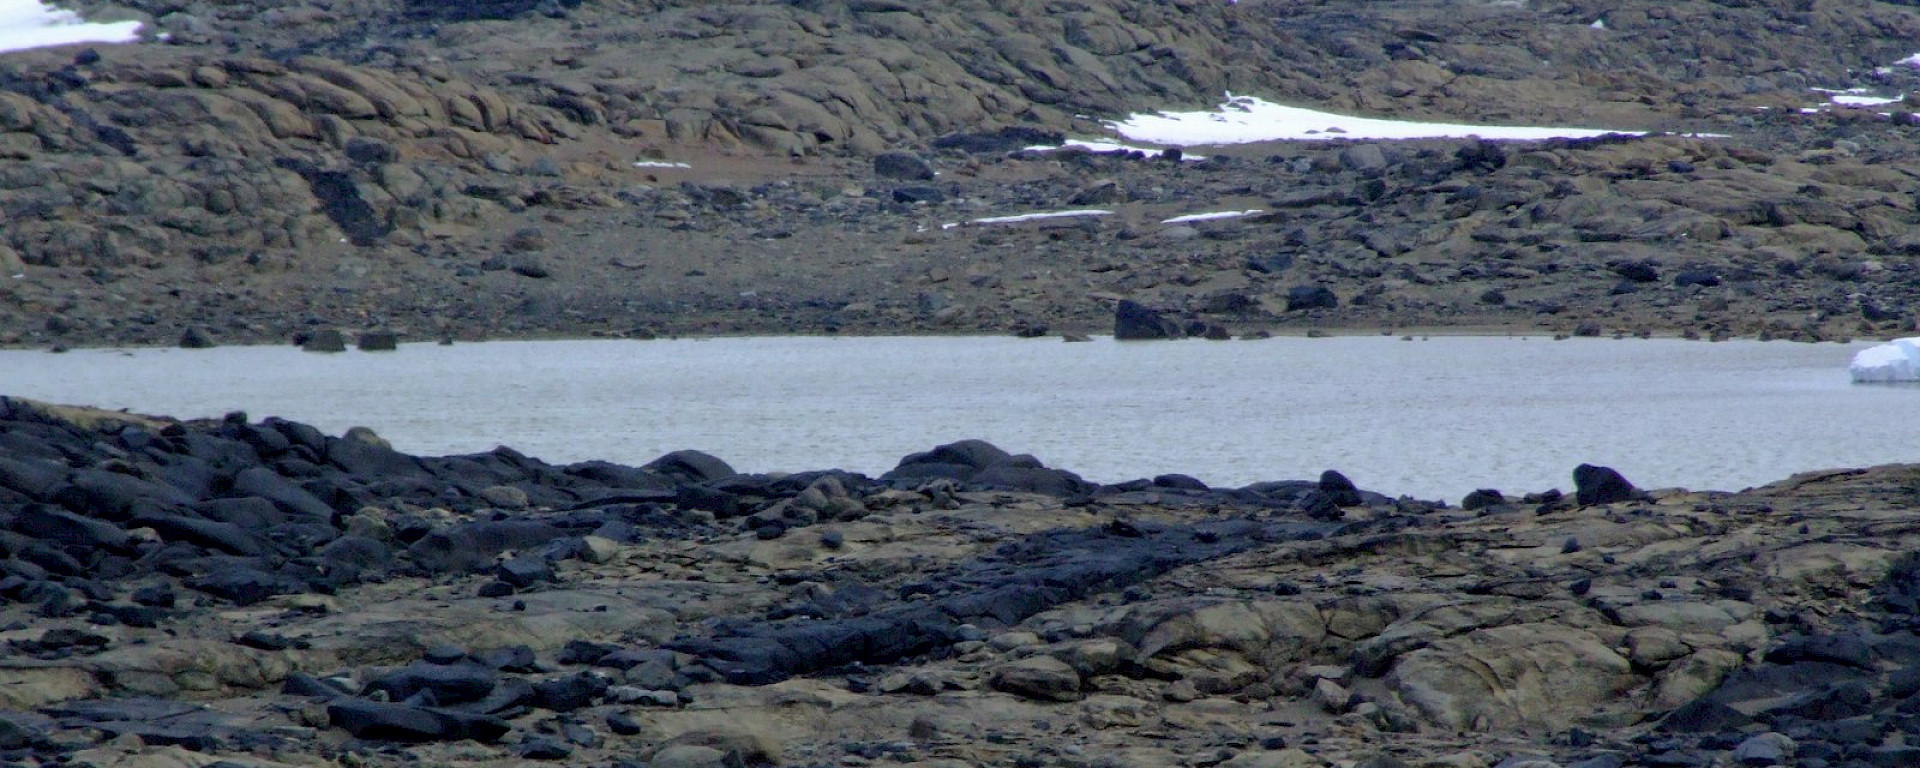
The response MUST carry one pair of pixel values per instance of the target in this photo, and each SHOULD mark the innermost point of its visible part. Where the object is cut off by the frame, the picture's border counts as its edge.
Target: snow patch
(28, 24)
(1192, 217)
(659, 164)
(1035, 217)
(1246, 119)
(1897, 360)
(1109, 146)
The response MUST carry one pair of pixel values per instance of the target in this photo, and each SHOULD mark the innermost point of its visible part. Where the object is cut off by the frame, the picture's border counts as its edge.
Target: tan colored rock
(388, 100)
(282, 118)
(1538, 675)
(26, 686)
(10, 262)
(1653, 647)
(1039, 677)
(1694, 676)
(16, 112)
(1103, 711)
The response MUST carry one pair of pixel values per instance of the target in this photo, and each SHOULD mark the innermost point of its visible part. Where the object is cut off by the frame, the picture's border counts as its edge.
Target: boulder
(1039, 677)
(380, 721)
(1305, 297)
(196, 337)
(1339, 489)
(1133, 321)
(1601, 485)
(323, 340)
(379, 341)
(902, 166)
(690, 466)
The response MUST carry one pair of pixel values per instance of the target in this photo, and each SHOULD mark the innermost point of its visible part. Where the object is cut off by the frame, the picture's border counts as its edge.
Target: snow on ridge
(1247, 119)
(28, 24)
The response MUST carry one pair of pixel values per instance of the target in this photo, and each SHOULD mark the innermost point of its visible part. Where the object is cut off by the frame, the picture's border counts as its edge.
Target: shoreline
(1285, 332)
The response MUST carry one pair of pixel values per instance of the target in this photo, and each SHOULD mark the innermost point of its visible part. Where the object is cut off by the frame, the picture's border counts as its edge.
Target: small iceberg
(1897, 360)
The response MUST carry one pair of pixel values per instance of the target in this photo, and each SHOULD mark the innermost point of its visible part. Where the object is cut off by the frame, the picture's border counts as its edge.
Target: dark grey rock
(448, 683)
(245, 585)
(902, 166)
(1133, 321)
(196, 337)
(367, 149)
(1482, 498)
(1304, 297)
(523, 572)
(690, 466)
(1601, 485)
(380, 721)
(1339, 489)
(324, 340)
(379, 341)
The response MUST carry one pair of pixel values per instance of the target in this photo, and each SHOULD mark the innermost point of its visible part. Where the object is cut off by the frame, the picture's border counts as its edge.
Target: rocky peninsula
(256, 593)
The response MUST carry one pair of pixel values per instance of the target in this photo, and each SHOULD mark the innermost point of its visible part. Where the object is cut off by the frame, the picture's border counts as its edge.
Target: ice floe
(27, 24)
(1897, 360)
(1247, 119)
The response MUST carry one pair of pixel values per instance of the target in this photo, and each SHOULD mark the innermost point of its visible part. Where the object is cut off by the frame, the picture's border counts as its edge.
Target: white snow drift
(26, 24)
(1247, 119)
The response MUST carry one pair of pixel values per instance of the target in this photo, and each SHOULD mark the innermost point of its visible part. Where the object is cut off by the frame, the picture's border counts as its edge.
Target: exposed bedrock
(160, 573)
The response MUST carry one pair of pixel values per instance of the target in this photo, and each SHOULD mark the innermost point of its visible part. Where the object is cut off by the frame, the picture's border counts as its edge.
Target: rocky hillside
(262, 594)
(467, 168)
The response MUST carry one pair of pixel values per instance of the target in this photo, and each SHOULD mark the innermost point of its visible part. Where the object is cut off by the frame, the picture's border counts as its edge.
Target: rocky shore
(257, 593)
(468, 169)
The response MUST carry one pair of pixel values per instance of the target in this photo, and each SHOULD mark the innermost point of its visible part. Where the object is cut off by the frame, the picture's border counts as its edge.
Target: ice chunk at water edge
(1897, 360)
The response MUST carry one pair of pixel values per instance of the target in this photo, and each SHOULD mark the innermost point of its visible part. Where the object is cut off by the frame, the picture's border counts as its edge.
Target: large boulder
(1133, 321)
(1601, 485)
(1039, 677)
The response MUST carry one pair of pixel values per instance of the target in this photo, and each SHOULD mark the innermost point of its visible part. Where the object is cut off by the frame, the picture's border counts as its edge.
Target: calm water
(1434, 419)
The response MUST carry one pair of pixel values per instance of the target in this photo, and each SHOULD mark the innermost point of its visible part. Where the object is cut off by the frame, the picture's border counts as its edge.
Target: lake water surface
(1434, 418)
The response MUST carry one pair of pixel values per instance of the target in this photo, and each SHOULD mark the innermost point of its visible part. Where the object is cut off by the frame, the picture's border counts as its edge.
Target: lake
(1429, 418)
